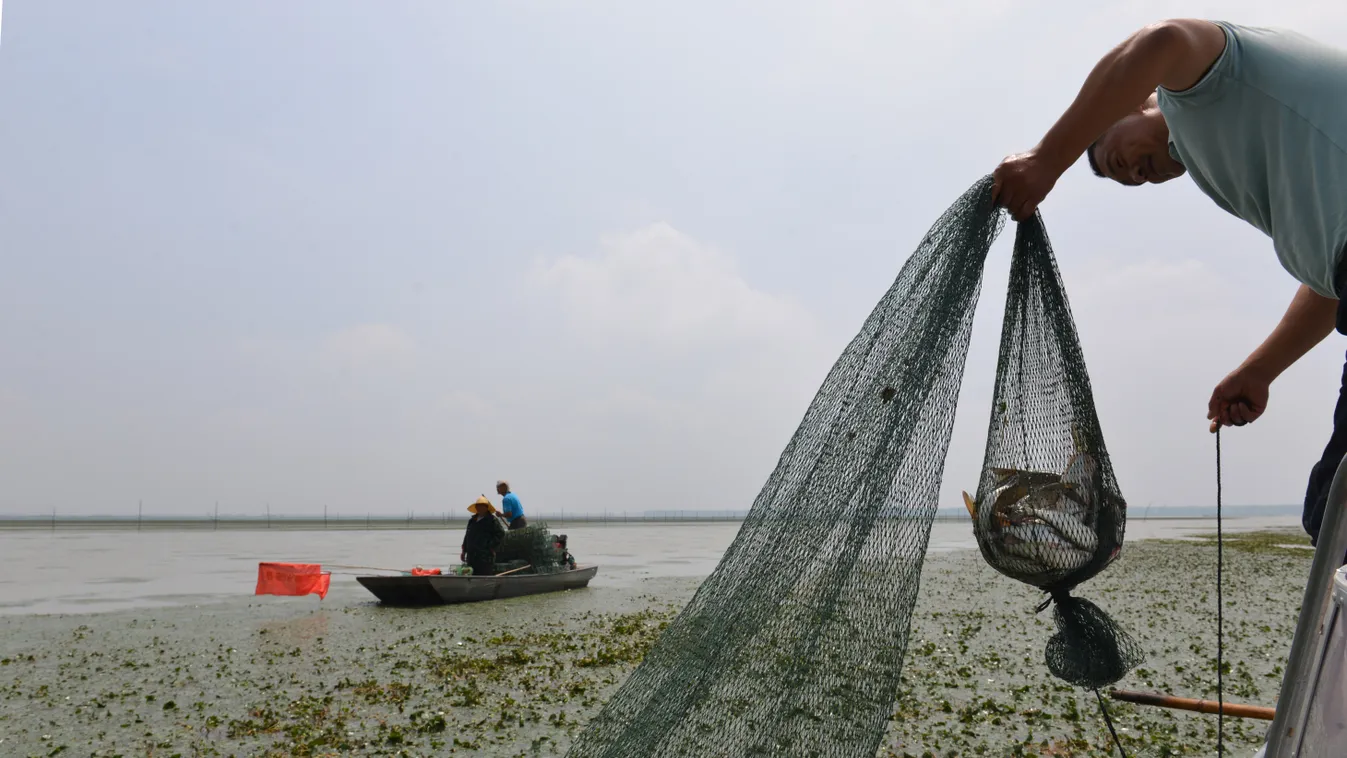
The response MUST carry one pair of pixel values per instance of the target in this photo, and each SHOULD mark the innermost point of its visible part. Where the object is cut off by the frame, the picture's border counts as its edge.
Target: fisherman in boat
(1258, 118)
(483, 536)
(566, 559)
(509, 504)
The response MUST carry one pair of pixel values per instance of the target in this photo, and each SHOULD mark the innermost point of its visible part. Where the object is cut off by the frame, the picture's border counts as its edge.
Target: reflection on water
(81, 572)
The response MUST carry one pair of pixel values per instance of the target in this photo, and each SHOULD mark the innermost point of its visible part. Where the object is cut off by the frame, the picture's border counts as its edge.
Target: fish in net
(1049, 512)
(794, 645)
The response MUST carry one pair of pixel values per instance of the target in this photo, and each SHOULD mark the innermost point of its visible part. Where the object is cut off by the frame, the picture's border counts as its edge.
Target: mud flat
(295, 677)
(975, 682)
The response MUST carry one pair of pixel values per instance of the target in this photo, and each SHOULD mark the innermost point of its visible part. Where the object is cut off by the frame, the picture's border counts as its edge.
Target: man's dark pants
(1321, 476)
(483, 562)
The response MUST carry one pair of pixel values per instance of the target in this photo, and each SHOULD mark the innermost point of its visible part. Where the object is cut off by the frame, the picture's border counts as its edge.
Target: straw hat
(482, 501)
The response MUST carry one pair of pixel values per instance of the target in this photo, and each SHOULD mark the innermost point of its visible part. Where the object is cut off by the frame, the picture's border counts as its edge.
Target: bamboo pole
(1233, 710)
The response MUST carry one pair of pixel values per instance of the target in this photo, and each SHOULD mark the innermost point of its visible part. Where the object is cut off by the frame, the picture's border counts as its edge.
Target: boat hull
(416, 591)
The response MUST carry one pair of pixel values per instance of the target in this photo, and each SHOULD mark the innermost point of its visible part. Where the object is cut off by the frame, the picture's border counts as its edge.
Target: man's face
(501, 489)
(1135, 151)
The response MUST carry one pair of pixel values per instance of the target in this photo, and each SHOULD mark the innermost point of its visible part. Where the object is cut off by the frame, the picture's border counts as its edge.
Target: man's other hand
(1239, 399)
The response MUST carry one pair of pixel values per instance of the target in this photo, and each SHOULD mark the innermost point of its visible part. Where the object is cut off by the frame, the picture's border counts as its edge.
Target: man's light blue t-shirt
(1264, 135)
(510, 506)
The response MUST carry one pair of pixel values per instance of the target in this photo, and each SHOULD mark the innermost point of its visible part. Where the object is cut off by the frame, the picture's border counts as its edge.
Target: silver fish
(1022, 566)
(1042, 521)
(1028, 532)
(1080, 478)
(1013, 489)
(1068, 526)
(1024, 476)
(1080, 470)
(1053, 552)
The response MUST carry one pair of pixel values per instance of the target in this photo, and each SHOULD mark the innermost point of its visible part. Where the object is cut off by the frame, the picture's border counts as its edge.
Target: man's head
(482, 507)
(502, 487)
(1136, 149)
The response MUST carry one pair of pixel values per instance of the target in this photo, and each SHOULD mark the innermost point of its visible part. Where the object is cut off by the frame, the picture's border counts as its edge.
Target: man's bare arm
(1173, 54)
(1308, 320)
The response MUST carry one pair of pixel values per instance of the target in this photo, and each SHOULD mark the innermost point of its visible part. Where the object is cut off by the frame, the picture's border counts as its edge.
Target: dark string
(1220, 608)
(1220, 626)
(1109, 721)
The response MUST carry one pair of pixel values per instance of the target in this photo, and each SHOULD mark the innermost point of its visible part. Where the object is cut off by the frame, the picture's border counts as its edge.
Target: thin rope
(1109, 721)
(367, 568)
(1220, 609)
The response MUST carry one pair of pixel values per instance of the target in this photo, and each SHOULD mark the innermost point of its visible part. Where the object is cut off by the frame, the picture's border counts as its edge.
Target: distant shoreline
(59, 522)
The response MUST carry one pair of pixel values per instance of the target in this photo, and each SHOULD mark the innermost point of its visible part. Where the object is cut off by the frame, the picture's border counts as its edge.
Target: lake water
(94, 571)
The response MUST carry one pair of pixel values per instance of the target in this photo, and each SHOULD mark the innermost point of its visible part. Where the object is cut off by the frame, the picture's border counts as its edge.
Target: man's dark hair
(1089, 156)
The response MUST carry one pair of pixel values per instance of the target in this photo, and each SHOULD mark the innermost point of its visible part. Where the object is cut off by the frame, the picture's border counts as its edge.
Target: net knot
(1057, 596)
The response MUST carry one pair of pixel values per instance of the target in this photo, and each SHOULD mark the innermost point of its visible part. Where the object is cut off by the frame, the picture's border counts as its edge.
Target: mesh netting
(1048, 510)
(794, 645)
(532, 546)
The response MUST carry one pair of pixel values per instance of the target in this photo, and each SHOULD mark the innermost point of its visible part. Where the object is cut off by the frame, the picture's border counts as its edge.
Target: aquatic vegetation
(1292, 543)
(521, 678)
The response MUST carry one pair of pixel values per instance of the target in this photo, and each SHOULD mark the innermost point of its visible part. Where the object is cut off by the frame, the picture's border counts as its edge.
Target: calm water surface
(85, 572)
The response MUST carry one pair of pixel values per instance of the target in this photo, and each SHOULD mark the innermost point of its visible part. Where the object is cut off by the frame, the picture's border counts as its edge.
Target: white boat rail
(1311, 719)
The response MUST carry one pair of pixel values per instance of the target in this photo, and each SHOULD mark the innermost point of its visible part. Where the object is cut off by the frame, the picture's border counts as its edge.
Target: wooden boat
(447, 589)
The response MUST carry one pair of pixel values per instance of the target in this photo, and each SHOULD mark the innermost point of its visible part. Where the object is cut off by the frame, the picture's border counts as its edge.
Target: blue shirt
(1264, 135)
(509, 505)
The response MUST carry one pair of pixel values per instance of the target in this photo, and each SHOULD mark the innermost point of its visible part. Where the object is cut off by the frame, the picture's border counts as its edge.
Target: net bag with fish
(794, 645)
(1048, 510)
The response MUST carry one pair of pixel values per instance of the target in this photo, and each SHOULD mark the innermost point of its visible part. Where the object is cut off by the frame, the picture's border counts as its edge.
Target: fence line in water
(452, 519)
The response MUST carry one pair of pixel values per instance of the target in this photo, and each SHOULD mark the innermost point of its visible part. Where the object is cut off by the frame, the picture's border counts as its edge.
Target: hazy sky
(376, 255)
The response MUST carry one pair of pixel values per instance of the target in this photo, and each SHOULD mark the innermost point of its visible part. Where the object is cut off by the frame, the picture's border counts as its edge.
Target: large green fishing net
(794, 645)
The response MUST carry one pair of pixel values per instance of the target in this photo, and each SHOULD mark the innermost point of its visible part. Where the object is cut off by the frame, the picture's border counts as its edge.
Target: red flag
(292, 579)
